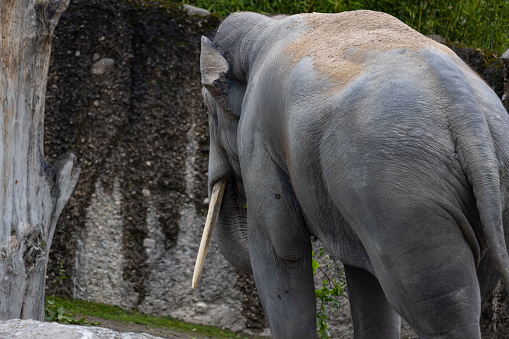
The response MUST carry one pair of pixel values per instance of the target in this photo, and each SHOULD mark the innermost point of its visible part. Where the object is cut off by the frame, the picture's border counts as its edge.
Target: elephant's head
(224, 69)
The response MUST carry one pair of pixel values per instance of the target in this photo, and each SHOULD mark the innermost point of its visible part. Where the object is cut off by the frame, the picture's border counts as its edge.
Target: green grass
(115, 313)
(482, 24)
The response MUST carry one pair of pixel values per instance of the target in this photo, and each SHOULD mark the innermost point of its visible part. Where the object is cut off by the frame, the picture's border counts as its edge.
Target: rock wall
(495, 314)
(505, 97)
(124, 95)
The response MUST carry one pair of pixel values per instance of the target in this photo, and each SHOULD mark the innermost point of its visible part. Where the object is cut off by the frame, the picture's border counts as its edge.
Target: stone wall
(505, 98)
(124, 95)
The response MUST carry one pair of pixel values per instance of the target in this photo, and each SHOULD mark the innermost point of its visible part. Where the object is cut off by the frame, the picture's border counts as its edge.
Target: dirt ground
(167, 333)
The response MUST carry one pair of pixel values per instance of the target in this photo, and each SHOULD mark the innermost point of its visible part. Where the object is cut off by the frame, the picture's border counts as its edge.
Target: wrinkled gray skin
(402, 174)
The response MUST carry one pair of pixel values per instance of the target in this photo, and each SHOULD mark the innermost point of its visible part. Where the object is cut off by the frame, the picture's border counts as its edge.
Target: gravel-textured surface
(25, 329)
(124, 94)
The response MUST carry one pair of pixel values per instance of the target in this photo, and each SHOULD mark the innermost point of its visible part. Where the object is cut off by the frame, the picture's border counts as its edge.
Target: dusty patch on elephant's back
(339, 43)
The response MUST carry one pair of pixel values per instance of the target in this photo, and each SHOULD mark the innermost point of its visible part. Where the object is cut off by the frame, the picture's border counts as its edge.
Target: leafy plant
(61, 273)
(56, 312)
(329, 295)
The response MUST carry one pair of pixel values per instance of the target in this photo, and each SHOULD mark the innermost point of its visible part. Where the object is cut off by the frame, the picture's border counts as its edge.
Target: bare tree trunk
(32, 193)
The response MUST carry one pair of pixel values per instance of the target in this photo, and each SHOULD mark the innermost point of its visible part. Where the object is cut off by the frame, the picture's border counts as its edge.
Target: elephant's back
(342, 45)
(388, 128)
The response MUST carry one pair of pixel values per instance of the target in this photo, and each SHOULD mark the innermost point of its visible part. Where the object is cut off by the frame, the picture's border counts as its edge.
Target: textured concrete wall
(496, 310)
(124, 95)
(505, 59)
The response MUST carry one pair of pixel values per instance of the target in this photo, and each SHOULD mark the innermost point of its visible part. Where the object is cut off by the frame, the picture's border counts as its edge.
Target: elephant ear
(214, 75)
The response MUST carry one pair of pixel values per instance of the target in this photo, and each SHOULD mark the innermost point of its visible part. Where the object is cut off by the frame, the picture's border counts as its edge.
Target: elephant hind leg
(373, 316)
(432, 284)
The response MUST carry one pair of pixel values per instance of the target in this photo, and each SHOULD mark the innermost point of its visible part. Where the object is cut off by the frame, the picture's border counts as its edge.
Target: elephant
(382, 143)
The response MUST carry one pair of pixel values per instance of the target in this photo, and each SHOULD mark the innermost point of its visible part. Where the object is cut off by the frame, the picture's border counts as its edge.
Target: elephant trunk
(231, 232)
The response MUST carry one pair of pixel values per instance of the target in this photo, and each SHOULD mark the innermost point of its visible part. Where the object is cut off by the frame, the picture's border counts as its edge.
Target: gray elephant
(356, 129)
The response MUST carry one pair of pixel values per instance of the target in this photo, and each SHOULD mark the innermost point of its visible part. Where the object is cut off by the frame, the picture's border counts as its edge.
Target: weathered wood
(32, 193)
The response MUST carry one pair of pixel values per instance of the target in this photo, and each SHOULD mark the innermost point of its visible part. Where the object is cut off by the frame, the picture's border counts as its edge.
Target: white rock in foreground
(16, 329)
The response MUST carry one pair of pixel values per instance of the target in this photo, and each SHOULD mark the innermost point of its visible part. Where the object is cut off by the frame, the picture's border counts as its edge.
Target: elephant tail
(476, 150)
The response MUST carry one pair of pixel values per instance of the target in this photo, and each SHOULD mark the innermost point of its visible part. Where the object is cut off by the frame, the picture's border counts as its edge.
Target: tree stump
(32, 192)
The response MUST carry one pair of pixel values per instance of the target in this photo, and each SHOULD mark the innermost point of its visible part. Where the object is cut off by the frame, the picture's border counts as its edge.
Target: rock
(193, 10)
(102, 66)
(500, 311)
(16, 328)
(437, 38)
(505, 56)
(201, 307)
(149, 243)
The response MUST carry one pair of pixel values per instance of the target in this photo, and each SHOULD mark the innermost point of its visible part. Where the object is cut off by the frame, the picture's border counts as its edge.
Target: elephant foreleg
(280, 251)
(286, 289)
(373, 316)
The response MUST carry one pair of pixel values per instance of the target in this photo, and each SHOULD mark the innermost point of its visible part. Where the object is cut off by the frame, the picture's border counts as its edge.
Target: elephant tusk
(210, 223)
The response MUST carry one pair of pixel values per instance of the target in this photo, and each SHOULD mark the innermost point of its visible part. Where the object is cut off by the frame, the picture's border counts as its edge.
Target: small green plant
(61, 273)
(330, 293)
(56, 312)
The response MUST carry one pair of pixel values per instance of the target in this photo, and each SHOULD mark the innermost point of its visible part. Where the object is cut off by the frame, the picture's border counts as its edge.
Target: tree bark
(32, 192)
